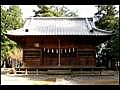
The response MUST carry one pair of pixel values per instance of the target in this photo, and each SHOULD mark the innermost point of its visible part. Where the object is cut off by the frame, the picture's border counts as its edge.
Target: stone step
(85, 72)
(59, 72)
(92, 73)
(20, 72)
(37, 72)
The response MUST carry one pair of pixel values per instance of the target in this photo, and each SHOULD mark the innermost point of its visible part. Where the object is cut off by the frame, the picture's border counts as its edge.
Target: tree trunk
(4, 64)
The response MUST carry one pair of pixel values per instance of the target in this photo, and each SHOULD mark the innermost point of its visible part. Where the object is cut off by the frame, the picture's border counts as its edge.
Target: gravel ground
(9, 79)
(44, 79)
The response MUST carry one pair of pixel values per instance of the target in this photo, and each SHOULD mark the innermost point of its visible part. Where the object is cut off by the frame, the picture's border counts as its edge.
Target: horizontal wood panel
(69, 57)
(62, 45)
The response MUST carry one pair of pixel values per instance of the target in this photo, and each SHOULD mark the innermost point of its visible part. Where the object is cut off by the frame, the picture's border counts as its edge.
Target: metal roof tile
(59, 26)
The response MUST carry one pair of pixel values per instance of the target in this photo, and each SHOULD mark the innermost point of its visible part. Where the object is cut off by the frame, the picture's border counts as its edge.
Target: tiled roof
(59, 26)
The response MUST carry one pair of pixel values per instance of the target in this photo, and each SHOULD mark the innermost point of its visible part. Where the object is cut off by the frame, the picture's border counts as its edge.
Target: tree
(108, 52)
(10, 19)
(16, 55)
(51, 10)
(108, 13)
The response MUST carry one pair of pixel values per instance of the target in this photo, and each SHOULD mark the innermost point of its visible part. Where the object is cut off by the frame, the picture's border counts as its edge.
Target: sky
(83, 10)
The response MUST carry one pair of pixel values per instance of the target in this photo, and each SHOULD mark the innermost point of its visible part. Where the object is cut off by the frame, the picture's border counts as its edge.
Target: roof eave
(100, 30)
(58, 18)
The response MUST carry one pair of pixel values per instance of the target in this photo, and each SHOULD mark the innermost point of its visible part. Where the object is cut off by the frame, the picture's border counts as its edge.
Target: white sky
(83, 10)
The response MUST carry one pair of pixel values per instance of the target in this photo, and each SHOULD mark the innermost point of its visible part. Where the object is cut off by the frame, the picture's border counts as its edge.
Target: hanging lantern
(73, 49)
(52, 51)
(48, 51)
(44, 49)
(65, 50)
(56, 50)
(69, 50)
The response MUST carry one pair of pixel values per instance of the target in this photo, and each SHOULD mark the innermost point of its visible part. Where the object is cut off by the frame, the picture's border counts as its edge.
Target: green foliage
(108, 21)
(10, 19)
(51, 10)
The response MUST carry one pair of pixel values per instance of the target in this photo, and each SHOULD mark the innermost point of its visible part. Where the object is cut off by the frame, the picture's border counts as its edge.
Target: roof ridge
(88, 24)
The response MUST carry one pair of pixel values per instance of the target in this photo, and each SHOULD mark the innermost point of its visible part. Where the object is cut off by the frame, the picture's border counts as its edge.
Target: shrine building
(59, 41)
